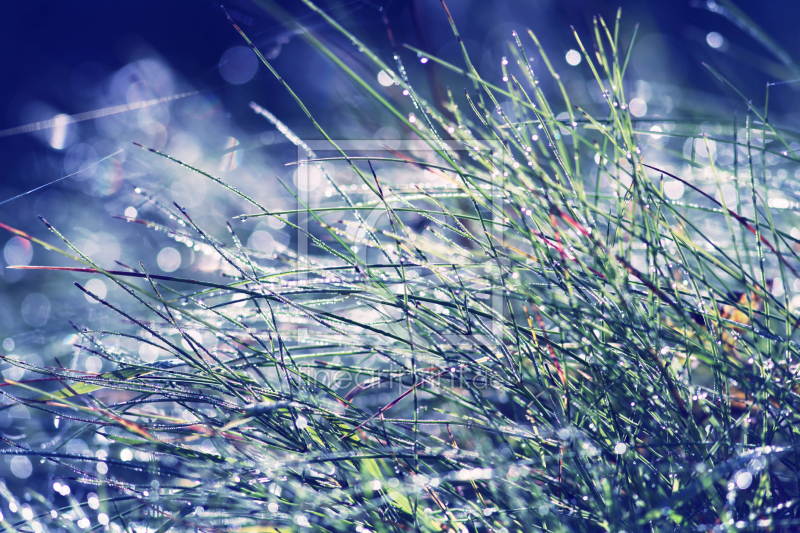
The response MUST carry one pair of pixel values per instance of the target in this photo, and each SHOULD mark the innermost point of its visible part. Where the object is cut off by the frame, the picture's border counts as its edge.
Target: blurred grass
(528, 333)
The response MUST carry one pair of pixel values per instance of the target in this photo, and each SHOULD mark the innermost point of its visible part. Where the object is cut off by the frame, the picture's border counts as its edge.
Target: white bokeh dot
(262, 241)
(21, 467)
(744, 479)
(96, 287)
(673, 189)
(385, 79)
(573, 57)
(715, 40)
(169, 259)
(638, 107)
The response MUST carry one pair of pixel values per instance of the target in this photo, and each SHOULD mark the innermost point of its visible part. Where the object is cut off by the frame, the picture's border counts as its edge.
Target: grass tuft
(536, 335)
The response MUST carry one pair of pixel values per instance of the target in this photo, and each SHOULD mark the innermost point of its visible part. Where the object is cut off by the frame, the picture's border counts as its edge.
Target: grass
(534, 336)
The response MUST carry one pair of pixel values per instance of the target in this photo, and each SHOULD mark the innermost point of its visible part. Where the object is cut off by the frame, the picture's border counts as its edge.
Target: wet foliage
(532, 316)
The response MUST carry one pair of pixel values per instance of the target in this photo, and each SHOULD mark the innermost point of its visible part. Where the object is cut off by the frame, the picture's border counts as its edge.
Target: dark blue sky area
(58, 53)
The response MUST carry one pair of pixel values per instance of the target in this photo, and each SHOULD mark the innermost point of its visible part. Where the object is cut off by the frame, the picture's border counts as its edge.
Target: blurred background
(84, 80)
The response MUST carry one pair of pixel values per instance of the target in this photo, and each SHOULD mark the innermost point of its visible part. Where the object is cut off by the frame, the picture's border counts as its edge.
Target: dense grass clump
(525, 332)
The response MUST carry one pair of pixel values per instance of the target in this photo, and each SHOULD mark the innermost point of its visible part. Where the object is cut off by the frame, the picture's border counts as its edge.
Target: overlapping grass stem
(532, 337)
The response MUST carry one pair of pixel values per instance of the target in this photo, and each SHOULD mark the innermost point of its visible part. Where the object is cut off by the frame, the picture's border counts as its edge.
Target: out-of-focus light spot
(714, 40)
(702, 148)
(36, 309)
(261, 241)
(156, 134)
(96, 287)
(142, 456)
(93, 501)
(169, 259)
(275, 223)
(152, 120)
(620, 448)
(644, 90)
(131, 212)
(386, 133)
(188, 194)
(423, 60)
(18, 252)
(231, 160)
(81, 158)
(13, 372)
(126, 454)
(385, 79)
(411, 118)
(744, 479)
(272, 507)
(21, 467)
(308, 177)
(656, 129)
(93, 364)
(267, 137)
(573, 57)
(777, 288)
(729, 193)
(451, 130)
(108, 178)
(103, 519)
(779, 203)
(238, 65)
(185, 147)
(8, 344)
(83, 523)
(673, 189)
(101, 246)
(58, 132)
(27, 513)
(638, 107)
(148, 352)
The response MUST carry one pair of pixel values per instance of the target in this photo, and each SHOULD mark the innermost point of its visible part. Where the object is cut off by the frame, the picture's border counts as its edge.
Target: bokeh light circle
(169, 259)
(238, 65)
